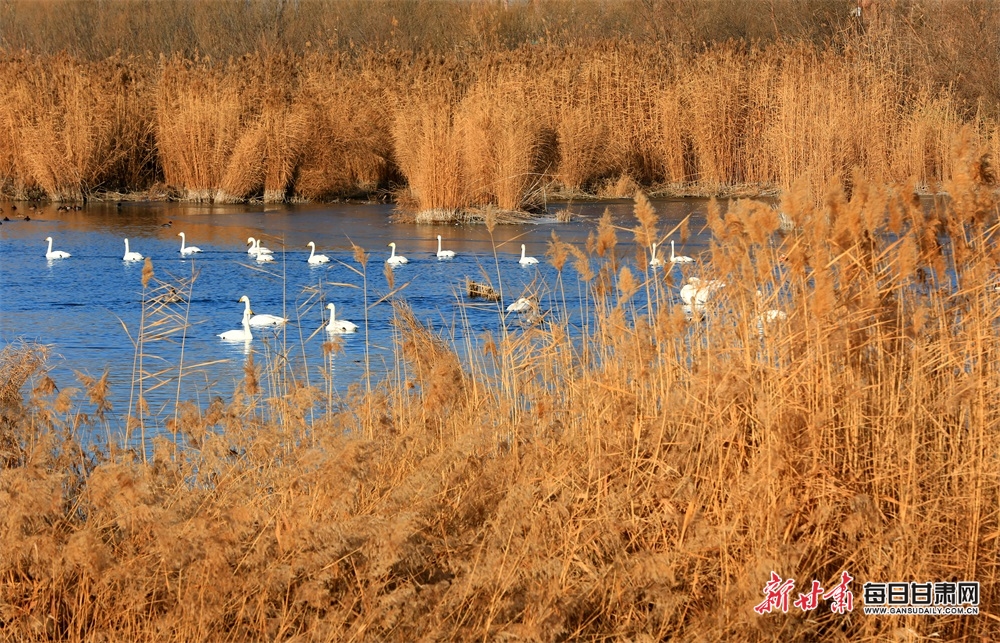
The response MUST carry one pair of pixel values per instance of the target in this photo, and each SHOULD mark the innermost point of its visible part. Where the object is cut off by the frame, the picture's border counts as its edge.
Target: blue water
(81, 306)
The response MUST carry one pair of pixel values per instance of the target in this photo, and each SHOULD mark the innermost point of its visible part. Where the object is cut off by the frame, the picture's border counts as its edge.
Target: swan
(243, 334)
(526, 261)
(190, 250)
(339, 326)
(696, 292)
(263, 258)
(54, 254)
(131, 256)
(261, 321)
(678, 258)
(394, 259)
(255, 248)
(522, 305)
(655, 261)
(314, 258)
(444, 254)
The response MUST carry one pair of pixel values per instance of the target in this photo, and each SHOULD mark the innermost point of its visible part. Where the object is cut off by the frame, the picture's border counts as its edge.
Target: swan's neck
(50, 247)
(182, 242)
(246, 310)
(333, 313)
(522, 251)
(439, 244)
(671, 249)
(393, 251)
(312, 250)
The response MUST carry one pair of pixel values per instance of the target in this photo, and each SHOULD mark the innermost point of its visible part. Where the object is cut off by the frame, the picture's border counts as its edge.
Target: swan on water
(189, 250)
(255, 248)
(339, 326)
(264, 258)
(131, 256)
(261, 321)
(314, 258)
(655, 261)
(522, 305)
(54, 254)
(444, 254)
(678, 258)
(395, 259)
(243, 334)
(696, 292)
(526, 261)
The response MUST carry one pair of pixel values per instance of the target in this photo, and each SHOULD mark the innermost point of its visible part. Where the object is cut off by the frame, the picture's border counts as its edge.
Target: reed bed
(627, 473)
(502, 127)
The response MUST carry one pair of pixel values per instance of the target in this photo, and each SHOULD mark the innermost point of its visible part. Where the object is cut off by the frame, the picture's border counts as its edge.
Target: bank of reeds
(494, 123)
(634, 474)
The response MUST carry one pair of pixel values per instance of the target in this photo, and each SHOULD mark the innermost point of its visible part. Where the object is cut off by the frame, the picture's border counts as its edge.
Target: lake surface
(81, 306)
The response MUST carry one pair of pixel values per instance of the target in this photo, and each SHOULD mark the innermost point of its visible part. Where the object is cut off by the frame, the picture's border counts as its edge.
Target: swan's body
(444, 254)
(678, 258)
(263, 258)
(655, 261)
(696, 292)
(54, 254)
(255, 248)
(314, 258)
(261, 321)
(188, 250)
(394, 259)
(339, 326)
(243, 334)
(131, 256)
(526, 261)
(522, 305)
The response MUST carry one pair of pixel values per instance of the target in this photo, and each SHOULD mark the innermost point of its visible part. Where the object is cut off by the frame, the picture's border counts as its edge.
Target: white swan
(255, 248)
(189, 250)
(339, 326)
(243, 334)
(314, 258)
(261, 321)
(444, 254)
(655, 261)
(696, 292)
(526, 261)
(131, 256)
(395, 259)
(678, 258)
(264, 258)
(522, 305)
(54, 254)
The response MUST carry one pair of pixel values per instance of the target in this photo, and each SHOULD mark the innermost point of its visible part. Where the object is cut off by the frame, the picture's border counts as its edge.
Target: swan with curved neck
(678, 258)
(54, 254)
(261, 321)
(395, 259)
(314, 258)
(187, 250)
(339, 326)
(131, 256)
(263, 257)
(242, 334)
(525, 260)
(255, 248)
(444, 254)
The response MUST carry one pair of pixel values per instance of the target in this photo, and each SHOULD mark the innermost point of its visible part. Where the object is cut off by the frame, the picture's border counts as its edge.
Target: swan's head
(329, 306)
(250, 240)
(523, 248)
(180, 234)
(311, 245)
(439, 237)
(392, 244)
(244, 299)
(48, 238)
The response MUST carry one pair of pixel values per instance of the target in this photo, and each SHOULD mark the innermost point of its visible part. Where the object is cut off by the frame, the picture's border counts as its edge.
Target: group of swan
(250, 321)
(674, 258)
(397, 260)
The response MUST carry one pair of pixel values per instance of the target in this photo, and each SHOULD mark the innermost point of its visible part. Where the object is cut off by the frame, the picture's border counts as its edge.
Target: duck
(167, 224)
(55, 254)
(242, 334)
(314, 258)
(262, 321)
(444, 254)
(339, 326)
(131, 256)
(189, 250)
(678, 258)
(526, 261)
(394, 259)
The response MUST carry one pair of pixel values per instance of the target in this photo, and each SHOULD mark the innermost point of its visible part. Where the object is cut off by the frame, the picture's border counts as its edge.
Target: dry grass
(637, 479)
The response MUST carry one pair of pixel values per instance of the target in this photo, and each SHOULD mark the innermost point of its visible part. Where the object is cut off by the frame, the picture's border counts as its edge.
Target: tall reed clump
(639, 478)
(68, 128)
